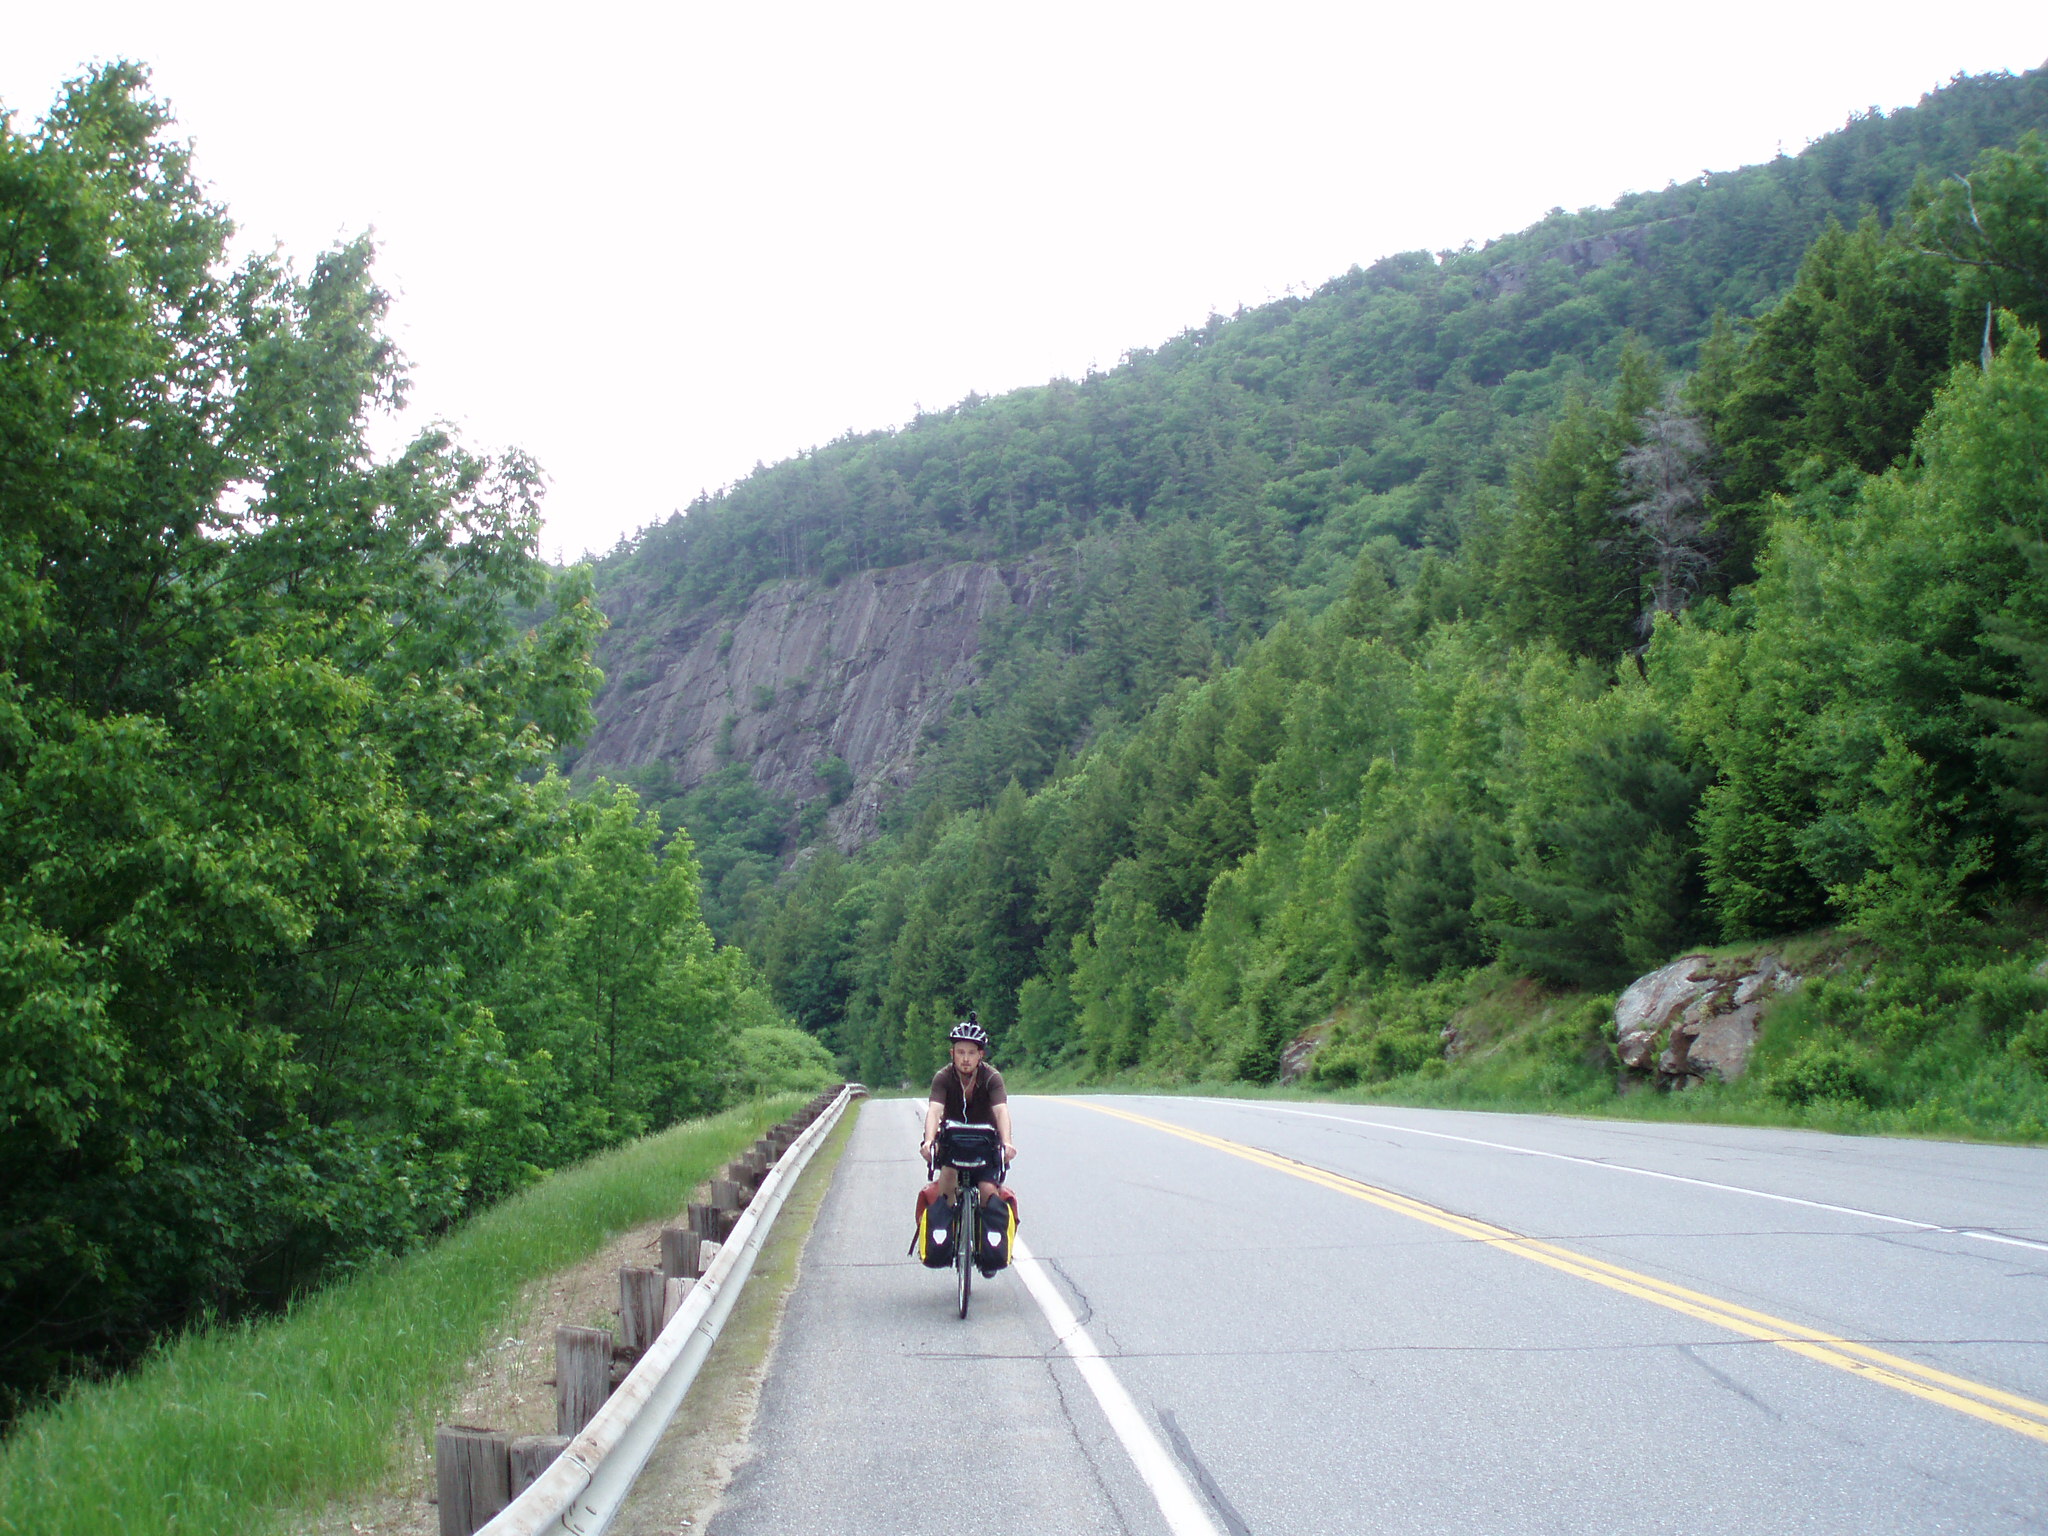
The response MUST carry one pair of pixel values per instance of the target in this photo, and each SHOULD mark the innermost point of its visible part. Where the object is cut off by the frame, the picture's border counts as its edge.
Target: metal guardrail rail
(582, 1491)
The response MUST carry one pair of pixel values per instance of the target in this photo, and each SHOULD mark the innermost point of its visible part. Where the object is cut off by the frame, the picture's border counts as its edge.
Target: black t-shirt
(971, 1108)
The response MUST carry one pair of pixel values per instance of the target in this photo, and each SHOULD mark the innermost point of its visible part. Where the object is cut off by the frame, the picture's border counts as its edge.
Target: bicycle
(969, 1150)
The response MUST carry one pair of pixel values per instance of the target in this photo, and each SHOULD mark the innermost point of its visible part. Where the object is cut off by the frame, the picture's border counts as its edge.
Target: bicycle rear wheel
(967, 1233)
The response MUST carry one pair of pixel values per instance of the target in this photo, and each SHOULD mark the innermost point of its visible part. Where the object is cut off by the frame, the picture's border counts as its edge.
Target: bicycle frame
(967, 1154)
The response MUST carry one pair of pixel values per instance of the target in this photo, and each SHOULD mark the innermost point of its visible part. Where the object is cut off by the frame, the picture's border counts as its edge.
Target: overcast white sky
(654, 244)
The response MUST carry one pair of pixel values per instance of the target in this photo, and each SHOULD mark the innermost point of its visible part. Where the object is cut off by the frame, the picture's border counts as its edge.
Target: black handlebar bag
(971, 1149)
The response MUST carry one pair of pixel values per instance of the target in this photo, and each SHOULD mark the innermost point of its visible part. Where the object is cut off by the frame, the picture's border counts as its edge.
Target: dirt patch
(509, 1387)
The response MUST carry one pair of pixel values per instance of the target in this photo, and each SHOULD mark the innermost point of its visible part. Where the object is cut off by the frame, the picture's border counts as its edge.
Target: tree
(1567, 572)
(1430, 926)
(1836, 375)
(1853, 764)
(1992, 226)
(302, 945)
(1609, 867)
(1665, 489)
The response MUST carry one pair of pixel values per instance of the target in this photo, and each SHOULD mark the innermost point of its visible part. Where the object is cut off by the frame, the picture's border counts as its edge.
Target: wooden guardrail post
(532, 1455)
(583, 1375)
(472, 1476)
(640, 1298)
(617, 1429)
(679, 1253)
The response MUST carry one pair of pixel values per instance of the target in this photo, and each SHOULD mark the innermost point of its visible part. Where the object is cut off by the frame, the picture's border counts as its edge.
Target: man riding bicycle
(970, 1092)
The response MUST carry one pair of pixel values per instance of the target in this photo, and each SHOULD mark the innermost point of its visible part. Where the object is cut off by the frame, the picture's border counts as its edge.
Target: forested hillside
(1665, 573)
(304, 950)
(1188, 499)
(1496, 618)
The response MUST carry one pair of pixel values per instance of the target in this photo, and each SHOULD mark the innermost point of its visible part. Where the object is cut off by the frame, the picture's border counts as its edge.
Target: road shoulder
(693, 1464)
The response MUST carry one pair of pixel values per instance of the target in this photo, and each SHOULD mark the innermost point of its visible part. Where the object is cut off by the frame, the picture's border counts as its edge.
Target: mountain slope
(1180, 504)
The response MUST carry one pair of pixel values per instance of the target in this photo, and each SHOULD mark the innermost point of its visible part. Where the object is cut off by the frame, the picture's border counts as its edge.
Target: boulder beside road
(1697, 1017)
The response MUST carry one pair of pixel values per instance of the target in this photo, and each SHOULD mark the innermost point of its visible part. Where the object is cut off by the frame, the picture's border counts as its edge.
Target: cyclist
(971, 1091)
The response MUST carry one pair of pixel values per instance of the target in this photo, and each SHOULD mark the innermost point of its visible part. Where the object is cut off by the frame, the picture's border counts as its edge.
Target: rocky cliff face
(803, 673)
(1637, 243)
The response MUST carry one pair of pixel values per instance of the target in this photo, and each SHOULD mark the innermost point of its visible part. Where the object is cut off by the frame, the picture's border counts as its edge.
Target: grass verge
(1949, 1042)
(235, 1430)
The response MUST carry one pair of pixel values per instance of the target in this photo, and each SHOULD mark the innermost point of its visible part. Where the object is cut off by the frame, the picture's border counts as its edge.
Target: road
(1353, 1319)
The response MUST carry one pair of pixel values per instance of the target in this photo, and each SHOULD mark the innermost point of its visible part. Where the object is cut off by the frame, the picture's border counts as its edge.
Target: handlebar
(963, 1146)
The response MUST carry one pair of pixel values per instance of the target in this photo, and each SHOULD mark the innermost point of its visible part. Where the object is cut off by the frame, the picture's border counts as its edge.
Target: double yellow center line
(1980, 1401)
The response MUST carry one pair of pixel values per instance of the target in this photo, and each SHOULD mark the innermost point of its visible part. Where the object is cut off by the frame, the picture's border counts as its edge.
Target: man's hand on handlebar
(1009, 1153)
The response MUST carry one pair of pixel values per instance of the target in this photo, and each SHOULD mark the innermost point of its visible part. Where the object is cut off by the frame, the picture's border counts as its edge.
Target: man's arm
(934, 1112)
(1002, 1113)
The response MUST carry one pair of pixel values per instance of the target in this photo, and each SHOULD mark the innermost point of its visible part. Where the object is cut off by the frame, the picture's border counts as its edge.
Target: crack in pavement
(1059, 1389)
(1087, 1313)
(1233, 1522)
(1731, 1384)
(1100, 1326)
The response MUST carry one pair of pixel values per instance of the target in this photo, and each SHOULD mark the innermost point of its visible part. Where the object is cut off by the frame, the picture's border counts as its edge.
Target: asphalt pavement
(1361, 1319)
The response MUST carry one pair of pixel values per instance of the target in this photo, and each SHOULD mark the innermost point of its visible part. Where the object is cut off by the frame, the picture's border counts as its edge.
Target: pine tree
(1569, 572)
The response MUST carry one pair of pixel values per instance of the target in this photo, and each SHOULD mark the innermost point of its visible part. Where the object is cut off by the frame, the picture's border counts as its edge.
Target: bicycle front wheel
(967, 1233)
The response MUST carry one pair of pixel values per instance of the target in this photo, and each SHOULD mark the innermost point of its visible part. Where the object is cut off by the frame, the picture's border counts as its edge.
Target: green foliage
(1328, 715)
(776, 1059)
(1171, 509)
(1855, 770)
(1822, 1070)
(1605, 886)
(304, 953)
(739, 833)
(1836, 375)
(1391, 1033)
(1989, 227)
(837, 778)
(1570, 569)
(254, 1427)
(1428, 904)
(1121, 977)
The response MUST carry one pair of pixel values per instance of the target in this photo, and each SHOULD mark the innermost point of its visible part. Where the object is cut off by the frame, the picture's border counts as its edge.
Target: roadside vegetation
(1946, 1042)
(234, 1428)
(306, 953)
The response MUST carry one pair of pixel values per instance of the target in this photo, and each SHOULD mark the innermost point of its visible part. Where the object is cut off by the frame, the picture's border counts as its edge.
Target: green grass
(233, 1430)
(1950, 1043)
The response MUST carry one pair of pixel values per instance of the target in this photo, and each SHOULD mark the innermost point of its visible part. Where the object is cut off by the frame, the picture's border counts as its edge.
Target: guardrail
(584, 1486)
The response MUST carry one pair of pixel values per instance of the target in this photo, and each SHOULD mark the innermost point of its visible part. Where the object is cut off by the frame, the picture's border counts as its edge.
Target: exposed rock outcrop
(804, 672)
(1697, 1018)
(1637, 243)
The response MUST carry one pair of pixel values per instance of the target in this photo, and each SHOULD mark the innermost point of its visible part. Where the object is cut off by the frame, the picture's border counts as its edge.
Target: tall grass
(230, 1430)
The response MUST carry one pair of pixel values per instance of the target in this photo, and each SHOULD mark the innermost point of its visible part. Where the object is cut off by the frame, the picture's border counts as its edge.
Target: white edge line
(1647, 1173)
(1183, 1510)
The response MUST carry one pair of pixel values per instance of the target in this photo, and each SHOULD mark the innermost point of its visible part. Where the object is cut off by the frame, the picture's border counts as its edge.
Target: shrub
(779, 1058)
(1822, 1071)
(1396, 1030)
